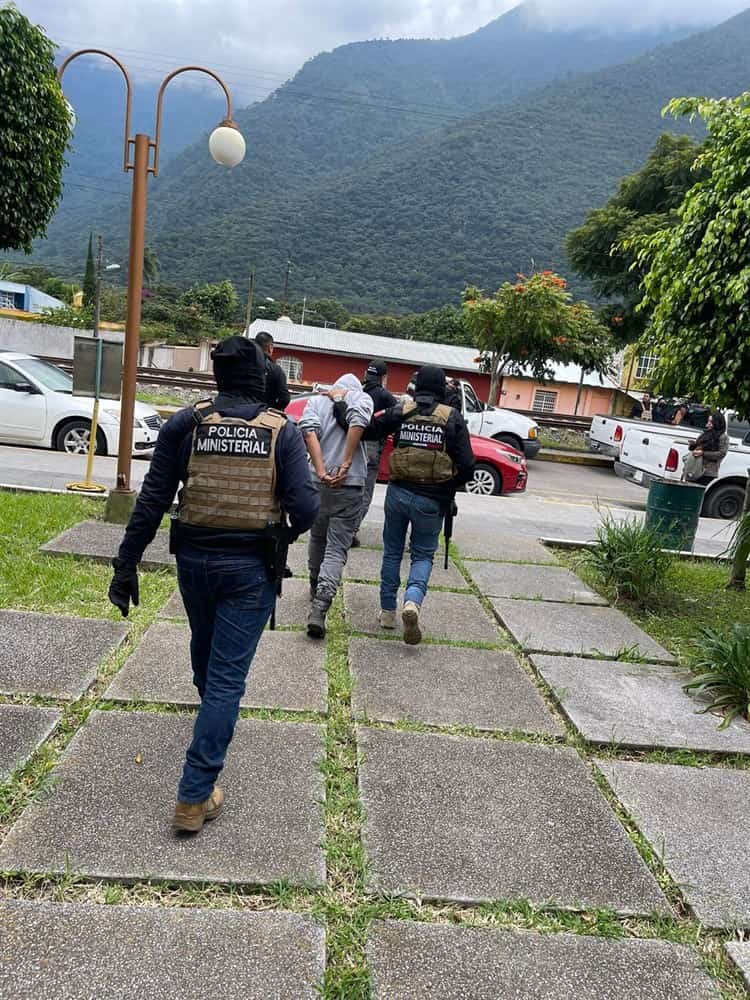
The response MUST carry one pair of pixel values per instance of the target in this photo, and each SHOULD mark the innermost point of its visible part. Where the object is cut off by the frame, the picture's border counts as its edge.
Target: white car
(37, 407)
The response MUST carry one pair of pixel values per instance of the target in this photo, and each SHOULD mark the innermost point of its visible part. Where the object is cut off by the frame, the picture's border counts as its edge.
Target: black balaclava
(375, 372)
(430, 384)
(240, 368)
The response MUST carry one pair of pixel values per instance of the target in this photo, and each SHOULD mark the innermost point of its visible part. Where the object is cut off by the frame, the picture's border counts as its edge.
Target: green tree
(8, 272)
(35, 127)
(89, 277)
(645, 202)
(218, 301)
(697, 272)
(528, 325)
(151, 266)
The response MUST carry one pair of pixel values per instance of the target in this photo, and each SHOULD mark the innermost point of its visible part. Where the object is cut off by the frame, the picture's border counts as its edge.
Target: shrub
(723, 668)
(629, 559)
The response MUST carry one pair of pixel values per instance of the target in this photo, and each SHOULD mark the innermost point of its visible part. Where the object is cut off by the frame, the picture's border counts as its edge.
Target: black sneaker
(316, 623)
(355, 543)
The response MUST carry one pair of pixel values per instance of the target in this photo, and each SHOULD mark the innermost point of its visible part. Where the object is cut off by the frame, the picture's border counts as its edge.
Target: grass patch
(694, 595)
(33, 581)
(161, 398)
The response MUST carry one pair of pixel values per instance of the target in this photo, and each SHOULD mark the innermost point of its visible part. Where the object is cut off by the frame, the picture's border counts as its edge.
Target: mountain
(471, 203)
(341, 109)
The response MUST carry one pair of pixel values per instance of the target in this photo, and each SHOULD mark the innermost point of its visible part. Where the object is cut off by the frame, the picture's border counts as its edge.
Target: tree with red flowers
(526, 327)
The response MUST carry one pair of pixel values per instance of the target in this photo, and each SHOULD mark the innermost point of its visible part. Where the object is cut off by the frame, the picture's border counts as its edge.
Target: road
(562, 501)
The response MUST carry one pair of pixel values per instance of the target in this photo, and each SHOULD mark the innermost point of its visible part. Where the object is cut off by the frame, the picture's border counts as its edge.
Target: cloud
(257, 44)
(617, 14)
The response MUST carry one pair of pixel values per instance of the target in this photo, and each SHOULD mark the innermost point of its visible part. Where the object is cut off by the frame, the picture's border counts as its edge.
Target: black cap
(430, 382)
(240, 366)
(376, 369)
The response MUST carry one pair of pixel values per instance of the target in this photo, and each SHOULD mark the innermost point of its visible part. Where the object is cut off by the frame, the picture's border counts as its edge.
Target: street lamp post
(227, 147)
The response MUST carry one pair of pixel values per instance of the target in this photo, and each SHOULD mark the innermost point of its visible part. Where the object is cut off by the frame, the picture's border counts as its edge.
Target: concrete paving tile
(365, 564)
(100, 542)
(416, 961)
(446, 685)
(541, 627)
(108, 816)
(53, 655)
(22, 729)
(291, 608)
(78, 951)
(637, 705)
(444, 616)
(287, 671)
(698, 821)
(544, 583)
(451, 818)
(478, 543)
(739, 952)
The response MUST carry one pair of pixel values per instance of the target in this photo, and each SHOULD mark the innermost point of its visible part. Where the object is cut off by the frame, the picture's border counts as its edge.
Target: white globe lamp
(227, 145)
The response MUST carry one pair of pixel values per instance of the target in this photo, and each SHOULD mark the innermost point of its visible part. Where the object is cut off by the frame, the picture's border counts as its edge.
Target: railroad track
(205, 381)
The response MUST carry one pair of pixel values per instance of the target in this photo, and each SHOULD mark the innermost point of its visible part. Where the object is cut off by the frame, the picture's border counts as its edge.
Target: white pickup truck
(646, 456)
(503, 425)
(607, 433)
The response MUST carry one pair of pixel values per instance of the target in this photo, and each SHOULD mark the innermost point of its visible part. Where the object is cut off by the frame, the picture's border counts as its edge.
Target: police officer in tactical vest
(431, 459)
(246, 492)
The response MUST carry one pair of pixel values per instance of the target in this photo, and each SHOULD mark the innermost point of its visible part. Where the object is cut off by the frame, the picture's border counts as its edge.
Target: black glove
(124, 586)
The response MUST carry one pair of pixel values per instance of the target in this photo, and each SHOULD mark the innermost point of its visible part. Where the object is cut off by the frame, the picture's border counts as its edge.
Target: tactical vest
(231, 479)
(420, 455)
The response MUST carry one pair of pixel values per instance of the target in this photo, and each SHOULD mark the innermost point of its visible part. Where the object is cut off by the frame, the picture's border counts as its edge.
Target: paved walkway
(470, 818)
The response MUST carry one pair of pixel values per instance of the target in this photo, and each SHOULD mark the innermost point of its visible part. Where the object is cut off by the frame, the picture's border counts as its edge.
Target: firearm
(276, 551)
(450, 512)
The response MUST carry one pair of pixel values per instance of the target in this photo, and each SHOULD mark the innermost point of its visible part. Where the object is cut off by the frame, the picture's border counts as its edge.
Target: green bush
(629, 559)
(723, 668)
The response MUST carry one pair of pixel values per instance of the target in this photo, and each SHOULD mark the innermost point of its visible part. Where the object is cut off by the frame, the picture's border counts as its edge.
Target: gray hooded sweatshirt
(318, 417)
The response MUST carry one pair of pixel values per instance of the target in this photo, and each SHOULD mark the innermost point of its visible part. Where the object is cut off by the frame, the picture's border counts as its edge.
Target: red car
(499, 469)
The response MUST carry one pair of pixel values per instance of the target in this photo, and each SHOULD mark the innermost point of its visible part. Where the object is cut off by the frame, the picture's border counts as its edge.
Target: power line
(473, 120)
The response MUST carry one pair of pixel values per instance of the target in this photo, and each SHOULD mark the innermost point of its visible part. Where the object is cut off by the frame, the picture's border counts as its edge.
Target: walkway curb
(571, 544)
(575, 458)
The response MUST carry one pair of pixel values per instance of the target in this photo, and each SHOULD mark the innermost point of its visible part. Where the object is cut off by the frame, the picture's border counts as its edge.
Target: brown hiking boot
(410, 618)
(190, 816)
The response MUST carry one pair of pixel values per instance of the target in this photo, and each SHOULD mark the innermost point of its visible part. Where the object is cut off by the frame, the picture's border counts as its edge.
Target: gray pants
(331, 538)
(374, 451)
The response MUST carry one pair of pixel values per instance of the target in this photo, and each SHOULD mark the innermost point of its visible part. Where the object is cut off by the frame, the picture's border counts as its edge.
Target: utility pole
(304, 306)
(250, 291)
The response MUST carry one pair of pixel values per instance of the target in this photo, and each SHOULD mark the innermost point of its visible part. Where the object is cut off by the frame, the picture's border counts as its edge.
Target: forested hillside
(377, 209)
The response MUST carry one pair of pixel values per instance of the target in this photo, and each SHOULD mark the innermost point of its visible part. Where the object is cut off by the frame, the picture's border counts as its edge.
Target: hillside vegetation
(473, 173)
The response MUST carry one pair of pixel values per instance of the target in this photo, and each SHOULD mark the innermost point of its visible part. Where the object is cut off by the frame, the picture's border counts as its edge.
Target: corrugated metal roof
(364, 346)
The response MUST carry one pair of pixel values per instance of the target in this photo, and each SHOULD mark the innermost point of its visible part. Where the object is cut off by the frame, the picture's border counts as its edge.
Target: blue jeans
(228, 598)
(402, 510)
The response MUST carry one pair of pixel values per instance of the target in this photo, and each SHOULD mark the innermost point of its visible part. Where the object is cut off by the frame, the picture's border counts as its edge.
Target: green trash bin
(673, 510)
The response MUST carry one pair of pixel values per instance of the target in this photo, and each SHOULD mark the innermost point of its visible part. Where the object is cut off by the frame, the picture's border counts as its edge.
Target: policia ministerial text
(233, 440)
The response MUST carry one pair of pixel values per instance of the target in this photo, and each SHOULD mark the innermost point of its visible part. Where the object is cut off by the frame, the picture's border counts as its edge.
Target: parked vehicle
(500, 424)
(647, 457)
(37, 408)
(500, 469)
(607, 433)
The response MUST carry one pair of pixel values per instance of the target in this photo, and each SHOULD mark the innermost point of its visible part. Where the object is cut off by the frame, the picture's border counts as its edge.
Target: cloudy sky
(260, 43)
